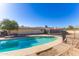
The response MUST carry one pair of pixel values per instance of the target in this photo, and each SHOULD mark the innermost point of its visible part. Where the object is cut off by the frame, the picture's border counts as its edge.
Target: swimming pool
(24, 42)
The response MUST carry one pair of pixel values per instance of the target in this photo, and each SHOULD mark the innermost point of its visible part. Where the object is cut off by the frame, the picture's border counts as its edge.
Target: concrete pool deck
(33, 50)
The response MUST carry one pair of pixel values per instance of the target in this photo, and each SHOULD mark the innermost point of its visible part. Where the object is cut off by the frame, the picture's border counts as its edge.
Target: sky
(41, 14)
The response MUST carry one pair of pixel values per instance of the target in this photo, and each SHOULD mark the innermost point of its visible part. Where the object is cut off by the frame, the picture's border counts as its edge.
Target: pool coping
(33, 50)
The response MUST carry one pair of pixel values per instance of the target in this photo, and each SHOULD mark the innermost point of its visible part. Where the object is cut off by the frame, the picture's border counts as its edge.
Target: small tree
(46, 26)
(70, 27)
(45, 29)
(9, 25)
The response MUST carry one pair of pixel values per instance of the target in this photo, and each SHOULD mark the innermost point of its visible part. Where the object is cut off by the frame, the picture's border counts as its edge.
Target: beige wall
(72, 31)
(27, 31)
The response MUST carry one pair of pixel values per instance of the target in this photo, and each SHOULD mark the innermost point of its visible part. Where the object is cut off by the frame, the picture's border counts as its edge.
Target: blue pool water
(23, 42)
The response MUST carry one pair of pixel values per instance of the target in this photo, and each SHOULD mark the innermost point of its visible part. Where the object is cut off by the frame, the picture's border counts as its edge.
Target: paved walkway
(71, 48)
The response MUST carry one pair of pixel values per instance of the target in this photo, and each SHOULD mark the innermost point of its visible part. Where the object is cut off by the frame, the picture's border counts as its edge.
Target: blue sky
(40, 14)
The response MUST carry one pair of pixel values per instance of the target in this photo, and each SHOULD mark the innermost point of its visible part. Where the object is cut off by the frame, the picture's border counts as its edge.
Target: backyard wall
(27, 31)
(72, 31)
